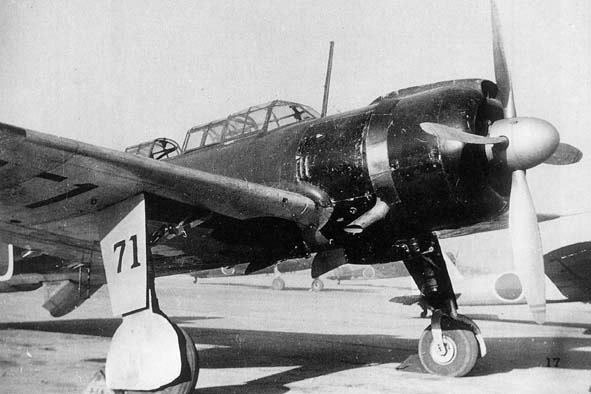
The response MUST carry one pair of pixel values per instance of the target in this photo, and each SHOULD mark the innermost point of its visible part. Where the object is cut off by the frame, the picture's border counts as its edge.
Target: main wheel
(317, 285)
(278, 284)
(369, 273)
(458, 355)
(184, 384)
(228, 271)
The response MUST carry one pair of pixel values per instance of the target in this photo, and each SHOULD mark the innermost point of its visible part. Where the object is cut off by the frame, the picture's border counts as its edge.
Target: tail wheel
(278, 284)
(458, 354)
(317, 285)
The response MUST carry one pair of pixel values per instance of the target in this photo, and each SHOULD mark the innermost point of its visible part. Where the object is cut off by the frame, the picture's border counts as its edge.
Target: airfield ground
(347, 339)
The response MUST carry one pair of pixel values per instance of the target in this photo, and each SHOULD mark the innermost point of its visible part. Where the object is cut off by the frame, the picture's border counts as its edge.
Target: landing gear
(228, 271)
(317, 285)
(369, 273)
(449, 350)
(183, 385)
(452, 344)
(186, 382)
(424, 308)
(148, 352)
(186, 385)
(188, 378)
(278, 284)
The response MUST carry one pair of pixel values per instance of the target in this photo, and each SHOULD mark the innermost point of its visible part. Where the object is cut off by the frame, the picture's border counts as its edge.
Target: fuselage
(353, 159)
(349, 164)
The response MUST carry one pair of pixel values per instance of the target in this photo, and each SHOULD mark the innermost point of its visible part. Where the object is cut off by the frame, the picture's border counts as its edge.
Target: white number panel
(122, 228)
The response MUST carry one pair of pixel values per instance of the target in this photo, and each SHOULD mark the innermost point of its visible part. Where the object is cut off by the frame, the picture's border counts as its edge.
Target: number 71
(121, 246)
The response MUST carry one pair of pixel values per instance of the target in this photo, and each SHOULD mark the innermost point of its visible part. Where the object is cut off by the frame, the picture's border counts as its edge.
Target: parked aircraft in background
(342, 273)
(480, 275)
(484, 268)
(277, 283)
(275, 182)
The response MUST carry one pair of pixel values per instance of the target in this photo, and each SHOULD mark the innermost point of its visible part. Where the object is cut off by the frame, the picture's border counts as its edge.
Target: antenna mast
(327, 82)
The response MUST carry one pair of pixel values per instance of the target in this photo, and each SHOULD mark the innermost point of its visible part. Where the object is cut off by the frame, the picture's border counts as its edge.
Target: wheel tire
(461, 350)
(278, 284)
(369, 273)
(228, 271)
(185, 384)
(317, 285)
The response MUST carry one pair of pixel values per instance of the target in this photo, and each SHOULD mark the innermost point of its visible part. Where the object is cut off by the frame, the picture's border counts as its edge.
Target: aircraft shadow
(310, 355)
(496, 318)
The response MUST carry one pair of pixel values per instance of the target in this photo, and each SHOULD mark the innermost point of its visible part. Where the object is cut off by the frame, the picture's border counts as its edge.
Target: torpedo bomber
(273, 182)
(385, 177)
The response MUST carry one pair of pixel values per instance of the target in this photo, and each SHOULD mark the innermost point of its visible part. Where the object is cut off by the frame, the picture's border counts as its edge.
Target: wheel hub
(444, 353)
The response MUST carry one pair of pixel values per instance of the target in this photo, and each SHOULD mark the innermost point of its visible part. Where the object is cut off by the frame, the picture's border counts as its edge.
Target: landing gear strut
(148, 352)
(452, 343)
(424, 308)
(278, 282)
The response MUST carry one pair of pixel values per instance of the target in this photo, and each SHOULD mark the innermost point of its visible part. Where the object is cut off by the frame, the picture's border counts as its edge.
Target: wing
(52, 186)
(68, 284)
(569, 269)
(498, 223)
(51, 189)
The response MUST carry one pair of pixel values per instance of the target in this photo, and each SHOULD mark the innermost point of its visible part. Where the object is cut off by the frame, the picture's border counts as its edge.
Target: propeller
(526, 243)
(519, 143)
(564, 155)
(502, 76)
(444, 132)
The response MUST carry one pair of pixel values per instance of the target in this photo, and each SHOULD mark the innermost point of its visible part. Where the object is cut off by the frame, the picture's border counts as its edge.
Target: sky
(116, 73)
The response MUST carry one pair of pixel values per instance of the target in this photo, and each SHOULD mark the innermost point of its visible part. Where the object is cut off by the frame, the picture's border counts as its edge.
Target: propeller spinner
(519, 143)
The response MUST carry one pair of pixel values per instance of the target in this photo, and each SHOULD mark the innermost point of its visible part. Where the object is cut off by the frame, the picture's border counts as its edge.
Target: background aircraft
(488, 271)
(480, 275)
(289, 205)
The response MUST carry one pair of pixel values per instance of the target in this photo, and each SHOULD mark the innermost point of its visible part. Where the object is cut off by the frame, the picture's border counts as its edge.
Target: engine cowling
(389, 179)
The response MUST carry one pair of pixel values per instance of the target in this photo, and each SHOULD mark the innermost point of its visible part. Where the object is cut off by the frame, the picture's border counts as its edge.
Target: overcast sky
(116, 73)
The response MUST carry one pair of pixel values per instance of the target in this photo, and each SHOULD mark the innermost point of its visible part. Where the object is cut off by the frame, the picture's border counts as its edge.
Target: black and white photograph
(295, 196)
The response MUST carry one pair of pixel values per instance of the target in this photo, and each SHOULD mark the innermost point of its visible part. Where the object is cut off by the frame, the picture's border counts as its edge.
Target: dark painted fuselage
(350, 160)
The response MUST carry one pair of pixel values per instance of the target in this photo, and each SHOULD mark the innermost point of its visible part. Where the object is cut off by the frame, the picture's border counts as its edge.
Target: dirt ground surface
(346, 339)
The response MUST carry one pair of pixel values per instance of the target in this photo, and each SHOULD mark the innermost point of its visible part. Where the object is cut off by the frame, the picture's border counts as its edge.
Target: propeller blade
(526, 243)
(565, 154)
(502, 74)
(449, 133)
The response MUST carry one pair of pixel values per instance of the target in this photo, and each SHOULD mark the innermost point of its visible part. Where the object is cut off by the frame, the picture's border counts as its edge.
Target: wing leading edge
(46, 178)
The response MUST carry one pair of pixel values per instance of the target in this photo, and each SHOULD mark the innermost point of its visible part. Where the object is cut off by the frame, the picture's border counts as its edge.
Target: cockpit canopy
(259, 118)
(158, 149)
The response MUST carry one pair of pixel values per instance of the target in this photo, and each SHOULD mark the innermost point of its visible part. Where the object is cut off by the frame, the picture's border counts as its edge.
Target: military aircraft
(341, 273)
(277, 181)
(278, 283)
